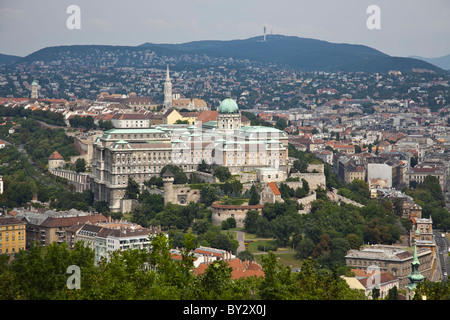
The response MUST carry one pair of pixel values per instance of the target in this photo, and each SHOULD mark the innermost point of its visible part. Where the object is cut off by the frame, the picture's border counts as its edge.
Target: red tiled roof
(229, 206)
(274, 188)
(71, 221)
(56, 156)
(240, 269)
(206, 116)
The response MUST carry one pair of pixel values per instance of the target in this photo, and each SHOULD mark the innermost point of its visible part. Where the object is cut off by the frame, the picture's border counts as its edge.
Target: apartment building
(428, 168)
(12, 235)
(393, 259)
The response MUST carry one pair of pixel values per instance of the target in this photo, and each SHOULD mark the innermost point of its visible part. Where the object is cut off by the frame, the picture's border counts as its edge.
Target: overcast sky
(408, 27)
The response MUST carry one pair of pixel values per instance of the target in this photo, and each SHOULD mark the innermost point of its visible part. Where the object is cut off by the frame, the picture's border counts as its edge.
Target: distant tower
(34, 90)
(168, 179)
(167, 91)
(55, 161)
(264, 33)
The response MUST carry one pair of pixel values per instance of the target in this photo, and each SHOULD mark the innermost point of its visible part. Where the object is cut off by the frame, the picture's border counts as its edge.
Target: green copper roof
(228, 105)
(415, 260)
(415, 276)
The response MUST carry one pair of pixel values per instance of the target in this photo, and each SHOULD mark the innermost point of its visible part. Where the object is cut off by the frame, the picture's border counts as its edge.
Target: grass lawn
(284, 258)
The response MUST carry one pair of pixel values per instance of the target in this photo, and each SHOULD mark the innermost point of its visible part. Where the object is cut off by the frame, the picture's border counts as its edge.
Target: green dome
(228, 106)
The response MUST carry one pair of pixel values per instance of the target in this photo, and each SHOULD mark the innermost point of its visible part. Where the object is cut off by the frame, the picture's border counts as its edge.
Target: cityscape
(268, 168)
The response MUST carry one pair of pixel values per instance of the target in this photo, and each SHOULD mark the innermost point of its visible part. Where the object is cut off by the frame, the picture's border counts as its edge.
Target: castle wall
(223, 212)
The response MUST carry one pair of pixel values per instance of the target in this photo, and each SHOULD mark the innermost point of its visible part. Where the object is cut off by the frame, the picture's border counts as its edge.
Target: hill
(6, 58)
(441, 62)
(304, 54)
(299, 53)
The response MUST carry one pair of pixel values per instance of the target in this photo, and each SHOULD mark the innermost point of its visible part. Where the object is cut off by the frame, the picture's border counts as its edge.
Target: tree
(254, 196)
(281, 124)
(208, 195)
(80, 165)
(203, 166)
(305, 248)
(250, 221)
(393, 293)
(132, 190)
(229, 223)
(233, 187)
(105, 125)
(222, 173)
(215, 281)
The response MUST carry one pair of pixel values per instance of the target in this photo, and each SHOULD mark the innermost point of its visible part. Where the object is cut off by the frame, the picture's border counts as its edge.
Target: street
(442, 249)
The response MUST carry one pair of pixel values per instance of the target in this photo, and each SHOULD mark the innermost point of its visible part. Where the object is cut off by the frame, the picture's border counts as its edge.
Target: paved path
(240, 239)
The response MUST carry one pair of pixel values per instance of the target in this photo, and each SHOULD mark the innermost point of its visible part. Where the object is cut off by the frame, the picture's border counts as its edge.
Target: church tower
(415, 276)
(167, 91)
(34, 90)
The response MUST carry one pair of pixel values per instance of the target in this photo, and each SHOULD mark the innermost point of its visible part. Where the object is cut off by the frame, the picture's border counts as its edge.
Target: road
(442, 248)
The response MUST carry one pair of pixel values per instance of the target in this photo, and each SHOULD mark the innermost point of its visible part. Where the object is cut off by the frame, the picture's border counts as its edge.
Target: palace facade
(121, 154)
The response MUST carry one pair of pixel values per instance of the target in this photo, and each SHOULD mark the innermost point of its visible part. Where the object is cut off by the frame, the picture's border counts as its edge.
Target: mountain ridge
(441, 62)
(304, 54)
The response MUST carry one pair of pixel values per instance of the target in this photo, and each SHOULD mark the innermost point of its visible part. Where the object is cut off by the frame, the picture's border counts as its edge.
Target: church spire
(415, 276)
(167, 91)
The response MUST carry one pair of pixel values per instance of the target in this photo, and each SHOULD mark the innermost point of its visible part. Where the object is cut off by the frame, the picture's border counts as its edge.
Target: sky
(407, 27)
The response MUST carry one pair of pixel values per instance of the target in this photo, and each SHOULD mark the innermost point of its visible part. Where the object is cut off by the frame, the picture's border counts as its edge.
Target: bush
(267, 247)
(229, 223)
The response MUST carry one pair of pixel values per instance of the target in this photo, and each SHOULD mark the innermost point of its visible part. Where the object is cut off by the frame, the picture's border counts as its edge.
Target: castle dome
(228, 105)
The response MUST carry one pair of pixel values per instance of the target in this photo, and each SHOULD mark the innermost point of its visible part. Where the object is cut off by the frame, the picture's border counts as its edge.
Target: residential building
(393, 259)
(104, 240)
(130, 120)
(12, 235)
(50, 226)
(374, 279)
(418, 173)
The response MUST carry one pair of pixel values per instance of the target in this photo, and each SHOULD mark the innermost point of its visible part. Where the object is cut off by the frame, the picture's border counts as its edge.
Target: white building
(381, 171)
(104, 240)
(130, 120)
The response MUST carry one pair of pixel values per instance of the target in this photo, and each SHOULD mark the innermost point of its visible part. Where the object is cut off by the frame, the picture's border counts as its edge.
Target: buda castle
(123, 153)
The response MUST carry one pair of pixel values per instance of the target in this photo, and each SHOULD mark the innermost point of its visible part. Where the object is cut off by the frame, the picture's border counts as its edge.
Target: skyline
(407, 27)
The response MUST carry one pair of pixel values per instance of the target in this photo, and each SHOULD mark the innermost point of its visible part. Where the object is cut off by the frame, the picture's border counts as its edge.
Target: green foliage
(222, 173)
(40, 273)
(429, 196)
(208, 195)
(203, 166)
(232, 188)
(80, 165)
(229, 224)
(254, 196)
(132, 190)
(46, 116)
(85, 122)
(105, 125)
